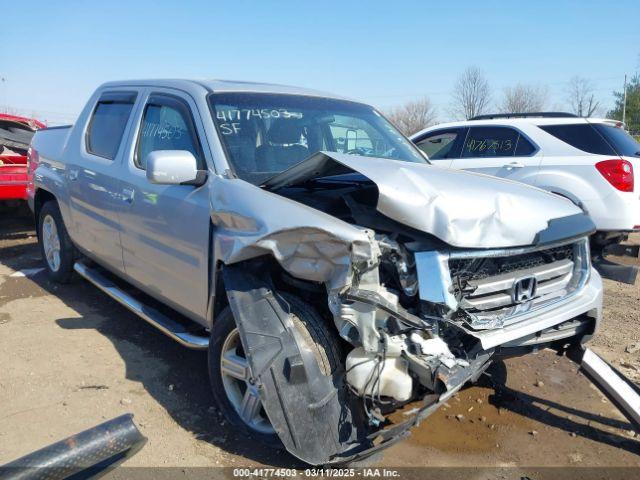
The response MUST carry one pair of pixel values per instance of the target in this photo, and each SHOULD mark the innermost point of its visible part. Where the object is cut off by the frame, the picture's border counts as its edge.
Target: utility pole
(624, 102)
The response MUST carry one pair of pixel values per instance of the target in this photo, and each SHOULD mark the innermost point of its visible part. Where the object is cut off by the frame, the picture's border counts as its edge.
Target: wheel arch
(41, 197)
(269, 270)
(571, 186)
(292, 383)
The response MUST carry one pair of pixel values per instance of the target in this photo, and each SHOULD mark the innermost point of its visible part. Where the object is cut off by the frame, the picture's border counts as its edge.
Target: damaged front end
(418, 316)
(393, 356)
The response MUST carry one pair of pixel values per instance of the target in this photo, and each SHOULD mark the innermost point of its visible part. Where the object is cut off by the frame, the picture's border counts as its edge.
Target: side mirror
(174, 167)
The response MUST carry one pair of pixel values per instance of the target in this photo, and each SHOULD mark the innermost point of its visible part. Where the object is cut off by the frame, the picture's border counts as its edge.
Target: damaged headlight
(403, 264)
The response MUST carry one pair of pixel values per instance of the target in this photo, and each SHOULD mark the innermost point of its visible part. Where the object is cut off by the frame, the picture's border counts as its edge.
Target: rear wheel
(56, 248)
(229, 371)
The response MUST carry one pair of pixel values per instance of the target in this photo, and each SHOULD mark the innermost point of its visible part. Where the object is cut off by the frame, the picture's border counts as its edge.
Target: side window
(439, 145)
(581, 136)
(108, 122)
(167, 124)
(490, 142)
(620, 140)
(525, 147)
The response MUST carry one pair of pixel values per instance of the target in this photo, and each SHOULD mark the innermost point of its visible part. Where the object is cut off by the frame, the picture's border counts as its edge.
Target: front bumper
(530, 331)
(587, 301)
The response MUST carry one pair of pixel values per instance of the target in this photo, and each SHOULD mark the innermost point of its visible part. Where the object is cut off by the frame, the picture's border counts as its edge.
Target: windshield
(265, 134)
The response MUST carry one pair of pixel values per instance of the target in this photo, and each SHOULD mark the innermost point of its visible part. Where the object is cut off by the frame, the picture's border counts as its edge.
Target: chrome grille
(484, 266)
(484, 283)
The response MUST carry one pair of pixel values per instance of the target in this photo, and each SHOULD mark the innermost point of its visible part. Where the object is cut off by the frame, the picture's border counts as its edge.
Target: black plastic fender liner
(314, 415)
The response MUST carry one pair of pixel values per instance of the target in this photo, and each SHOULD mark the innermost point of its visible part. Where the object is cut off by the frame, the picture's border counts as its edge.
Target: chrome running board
(150, 315)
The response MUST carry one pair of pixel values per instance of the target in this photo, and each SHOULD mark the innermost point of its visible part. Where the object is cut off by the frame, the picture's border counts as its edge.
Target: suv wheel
(55, 245)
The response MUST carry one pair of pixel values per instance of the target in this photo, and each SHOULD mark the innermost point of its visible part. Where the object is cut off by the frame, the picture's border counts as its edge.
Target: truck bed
(51, 142)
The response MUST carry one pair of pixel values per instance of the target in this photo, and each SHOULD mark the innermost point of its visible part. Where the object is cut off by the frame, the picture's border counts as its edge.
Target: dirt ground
(70, 358)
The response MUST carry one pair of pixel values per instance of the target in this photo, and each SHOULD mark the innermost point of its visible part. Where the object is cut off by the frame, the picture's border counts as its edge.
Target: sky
(53, 54)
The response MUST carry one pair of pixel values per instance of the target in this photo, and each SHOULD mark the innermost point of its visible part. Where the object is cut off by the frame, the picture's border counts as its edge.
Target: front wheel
(230, 375)
(237, 398)
(56, 248)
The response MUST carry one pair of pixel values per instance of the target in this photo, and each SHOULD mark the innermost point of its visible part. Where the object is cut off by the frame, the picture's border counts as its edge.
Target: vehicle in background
(333, 274)
(593, 162)
(15, 136)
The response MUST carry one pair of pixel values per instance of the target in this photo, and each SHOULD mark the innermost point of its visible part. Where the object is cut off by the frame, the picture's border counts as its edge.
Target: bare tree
(413, 116)
(524, 99)
(581, 97)
(471, 94)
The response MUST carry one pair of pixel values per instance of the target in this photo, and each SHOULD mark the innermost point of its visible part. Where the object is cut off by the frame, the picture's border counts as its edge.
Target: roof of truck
(222, 86)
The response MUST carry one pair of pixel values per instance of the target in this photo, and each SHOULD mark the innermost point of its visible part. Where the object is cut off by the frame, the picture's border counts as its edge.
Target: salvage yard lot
(71, 358)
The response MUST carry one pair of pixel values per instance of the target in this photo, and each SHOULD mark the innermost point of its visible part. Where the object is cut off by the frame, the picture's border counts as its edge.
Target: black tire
(320, 339)
(67, 252)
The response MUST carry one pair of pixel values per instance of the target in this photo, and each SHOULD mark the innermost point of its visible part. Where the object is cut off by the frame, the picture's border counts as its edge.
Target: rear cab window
(490, 141)
(108, 122)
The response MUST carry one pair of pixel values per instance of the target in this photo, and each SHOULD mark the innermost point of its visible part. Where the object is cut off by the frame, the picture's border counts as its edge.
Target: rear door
(442, 146)
(500, 151)
(165, 228)
(93, 178)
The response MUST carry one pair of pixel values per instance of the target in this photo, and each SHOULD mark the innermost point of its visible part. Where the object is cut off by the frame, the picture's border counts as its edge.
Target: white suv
(590, 161)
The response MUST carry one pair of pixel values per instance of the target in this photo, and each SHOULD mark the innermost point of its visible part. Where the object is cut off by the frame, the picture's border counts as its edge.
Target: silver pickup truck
(332, 273)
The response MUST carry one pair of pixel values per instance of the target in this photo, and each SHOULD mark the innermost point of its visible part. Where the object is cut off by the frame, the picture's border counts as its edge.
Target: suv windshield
(265, 134)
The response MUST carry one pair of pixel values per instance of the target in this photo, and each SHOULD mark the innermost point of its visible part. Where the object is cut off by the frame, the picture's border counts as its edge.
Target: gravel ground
(70, 358)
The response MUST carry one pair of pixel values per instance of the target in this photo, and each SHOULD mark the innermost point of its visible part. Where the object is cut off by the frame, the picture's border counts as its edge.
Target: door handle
(127, 195)
(72, 175)
(512, 165)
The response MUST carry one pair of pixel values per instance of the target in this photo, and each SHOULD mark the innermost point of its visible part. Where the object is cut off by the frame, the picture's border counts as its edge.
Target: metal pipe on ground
(89, 453)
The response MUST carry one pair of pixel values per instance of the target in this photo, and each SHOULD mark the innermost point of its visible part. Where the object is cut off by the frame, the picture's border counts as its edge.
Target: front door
(442, 146)
(165, 228)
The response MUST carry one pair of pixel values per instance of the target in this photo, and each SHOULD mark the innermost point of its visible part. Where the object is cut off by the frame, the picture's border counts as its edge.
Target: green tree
(633, 105)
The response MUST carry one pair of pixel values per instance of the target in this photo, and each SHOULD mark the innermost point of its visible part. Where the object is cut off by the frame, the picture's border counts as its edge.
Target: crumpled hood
(463, 209)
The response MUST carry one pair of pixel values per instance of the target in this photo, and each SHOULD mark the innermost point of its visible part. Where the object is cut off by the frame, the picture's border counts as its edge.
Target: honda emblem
(524, 289)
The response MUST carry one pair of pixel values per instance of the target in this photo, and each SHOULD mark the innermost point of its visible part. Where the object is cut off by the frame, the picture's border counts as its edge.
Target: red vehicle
(15, 136)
